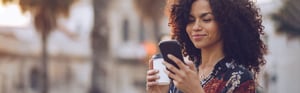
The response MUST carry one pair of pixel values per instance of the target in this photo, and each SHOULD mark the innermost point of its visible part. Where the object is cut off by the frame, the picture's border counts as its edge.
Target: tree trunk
(157, 34)
(100, 53)
(44, 63)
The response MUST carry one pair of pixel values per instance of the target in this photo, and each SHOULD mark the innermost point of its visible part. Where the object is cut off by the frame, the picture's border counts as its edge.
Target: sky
(11, 16)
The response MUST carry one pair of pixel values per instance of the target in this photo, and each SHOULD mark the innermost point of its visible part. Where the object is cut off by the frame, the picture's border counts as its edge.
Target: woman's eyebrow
(201, 16)
(191, 16)
(205, 14)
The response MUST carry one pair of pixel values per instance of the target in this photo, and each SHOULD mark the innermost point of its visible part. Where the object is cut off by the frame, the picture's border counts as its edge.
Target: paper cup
(158, 64)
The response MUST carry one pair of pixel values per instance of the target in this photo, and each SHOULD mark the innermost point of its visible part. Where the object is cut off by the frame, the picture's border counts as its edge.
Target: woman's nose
(197, 27)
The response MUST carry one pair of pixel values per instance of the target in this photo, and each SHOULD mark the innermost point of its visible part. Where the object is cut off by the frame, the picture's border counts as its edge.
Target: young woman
(222, 38)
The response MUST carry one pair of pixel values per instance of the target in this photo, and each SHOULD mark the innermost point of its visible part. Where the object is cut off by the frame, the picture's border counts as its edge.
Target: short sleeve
(240, 80)
(246, 87)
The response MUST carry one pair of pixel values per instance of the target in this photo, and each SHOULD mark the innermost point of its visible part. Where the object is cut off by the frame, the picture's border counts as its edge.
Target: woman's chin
(199, 46)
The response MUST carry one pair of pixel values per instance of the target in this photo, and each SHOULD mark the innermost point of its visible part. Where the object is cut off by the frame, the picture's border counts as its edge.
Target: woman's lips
(198, 36)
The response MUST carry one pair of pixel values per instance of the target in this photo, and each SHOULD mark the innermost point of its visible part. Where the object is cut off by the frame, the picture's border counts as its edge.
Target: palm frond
(45, 12)
(150, 8)
(287, 18)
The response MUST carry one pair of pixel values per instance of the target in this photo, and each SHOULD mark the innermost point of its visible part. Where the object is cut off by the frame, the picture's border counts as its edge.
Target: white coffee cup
(158, 64)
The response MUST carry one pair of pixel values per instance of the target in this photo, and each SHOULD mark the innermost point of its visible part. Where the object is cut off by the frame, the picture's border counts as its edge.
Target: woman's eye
(191, 20)
(207, 20)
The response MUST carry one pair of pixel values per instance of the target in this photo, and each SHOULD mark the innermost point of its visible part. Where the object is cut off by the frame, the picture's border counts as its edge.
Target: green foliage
(288, 18)
(45, 12)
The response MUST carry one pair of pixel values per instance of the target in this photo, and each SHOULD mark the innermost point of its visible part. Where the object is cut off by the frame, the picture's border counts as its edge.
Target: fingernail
(156, 70)
(169, 55)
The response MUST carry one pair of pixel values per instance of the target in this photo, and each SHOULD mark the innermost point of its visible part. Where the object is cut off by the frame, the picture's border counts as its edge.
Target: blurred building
(281, 72)
(69, 50)
(131, 40)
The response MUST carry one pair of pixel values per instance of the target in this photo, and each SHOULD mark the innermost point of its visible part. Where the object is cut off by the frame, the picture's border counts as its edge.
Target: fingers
(152, 77)
(150, 84)
(171, 67)
(152, 72)
(180, 64)
(150, 64)
(191, 65)
(171, 75)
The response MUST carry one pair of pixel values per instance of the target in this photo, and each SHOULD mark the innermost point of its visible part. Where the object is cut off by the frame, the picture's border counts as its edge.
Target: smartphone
(170, 47)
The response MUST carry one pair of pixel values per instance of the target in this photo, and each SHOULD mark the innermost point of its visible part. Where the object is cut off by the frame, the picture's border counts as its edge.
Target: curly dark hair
(240, 26)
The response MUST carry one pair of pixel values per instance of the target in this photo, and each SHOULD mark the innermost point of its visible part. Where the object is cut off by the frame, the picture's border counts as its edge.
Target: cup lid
(157, 56)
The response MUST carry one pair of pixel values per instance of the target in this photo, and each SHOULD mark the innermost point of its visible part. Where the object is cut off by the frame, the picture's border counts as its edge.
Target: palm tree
(288, 17)
(151, 9)
(100, 49)
(45, 13)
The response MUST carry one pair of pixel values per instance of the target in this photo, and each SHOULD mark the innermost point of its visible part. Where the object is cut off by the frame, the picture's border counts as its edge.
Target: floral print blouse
(226, 77)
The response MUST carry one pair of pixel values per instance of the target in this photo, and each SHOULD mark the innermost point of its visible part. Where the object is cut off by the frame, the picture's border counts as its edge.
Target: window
(141, 31)
(125, 30)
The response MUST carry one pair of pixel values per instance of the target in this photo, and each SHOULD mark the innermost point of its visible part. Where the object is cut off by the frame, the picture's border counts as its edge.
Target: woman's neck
(211, 56)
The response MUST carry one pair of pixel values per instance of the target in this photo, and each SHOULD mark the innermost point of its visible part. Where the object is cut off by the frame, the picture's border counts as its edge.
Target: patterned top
(226, 77)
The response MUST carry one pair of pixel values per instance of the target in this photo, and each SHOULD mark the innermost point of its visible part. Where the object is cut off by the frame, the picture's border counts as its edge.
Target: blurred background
(103, 46)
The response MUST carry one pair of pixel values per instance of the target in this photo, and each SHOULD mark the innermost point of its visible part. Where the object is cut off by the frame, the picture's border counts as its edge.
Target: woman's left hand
(186, 77)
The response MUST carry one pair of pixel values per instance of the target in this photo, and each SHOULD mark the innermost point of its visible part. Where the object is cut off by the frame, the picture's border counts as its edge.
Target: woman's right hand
(152, 85)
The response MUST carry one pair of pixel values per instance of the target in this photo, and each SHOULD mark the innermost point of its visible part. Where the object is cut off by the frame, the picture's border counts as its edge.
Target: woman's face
(202, 29)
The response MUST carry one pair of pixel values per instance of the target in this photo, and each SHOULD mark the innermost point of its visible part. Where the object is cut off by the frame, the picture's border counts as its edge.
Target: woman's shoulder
(229, 69)
(238, 78)
(237, 72)
(234, 77)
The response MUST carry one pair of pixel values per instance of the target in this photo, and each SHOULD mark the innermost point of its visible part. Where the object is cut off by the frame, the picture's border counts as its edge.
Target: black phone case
(170, 47)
